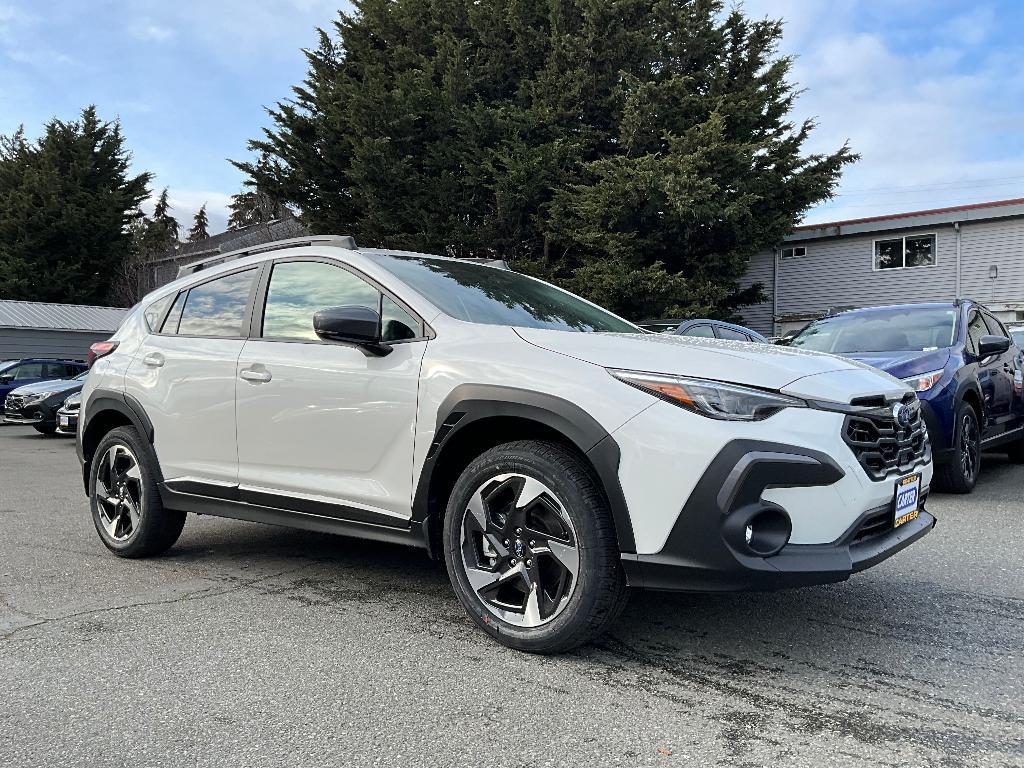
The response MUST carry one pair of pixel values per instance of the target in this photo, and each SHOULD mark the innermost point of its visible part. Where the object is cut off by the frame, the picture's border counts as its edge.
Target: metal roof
(932, 217)
(60, 317)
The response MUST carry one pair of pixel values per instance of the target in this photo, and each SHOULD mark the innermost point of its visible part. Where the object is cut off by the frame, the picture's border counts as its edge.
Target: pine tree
(200, 226)
(162, 232)
(638, 151)
(67, 203)
(257, 203)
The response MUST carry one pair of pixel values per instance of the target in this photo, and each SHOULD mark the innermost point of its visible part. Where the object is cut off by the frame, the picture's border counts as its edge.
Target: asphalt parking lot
(254, 645)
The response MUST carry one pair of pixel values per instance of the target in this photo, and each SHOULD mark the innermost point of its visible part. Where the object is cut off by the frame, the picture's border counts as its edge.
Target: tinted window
(395, 323)
(729, 333)
(490, 296)
(217, 308)
(28, 371)
(976, 328)
(883, 330)
(995, 327)
(156, 310)
(174, 316)
(299, 289)
(704, 331)
(60, 371)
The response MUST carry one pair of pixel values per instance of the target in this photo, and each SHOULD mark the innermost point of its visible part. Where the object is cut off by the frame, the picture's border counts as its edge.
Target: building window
(905, 252)
(794, 251)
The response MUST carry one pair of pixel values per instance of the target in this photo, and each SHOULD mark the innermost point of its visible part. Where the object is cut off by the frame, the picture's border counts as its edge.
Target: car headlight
(923, 381)
(33, 399)
(714, 399)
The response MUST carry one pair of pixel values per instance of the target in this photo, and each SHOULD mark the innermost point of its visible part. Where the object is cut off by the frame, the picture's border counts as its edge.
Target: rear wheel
(531, 550)
(126, 507)
(960, 473)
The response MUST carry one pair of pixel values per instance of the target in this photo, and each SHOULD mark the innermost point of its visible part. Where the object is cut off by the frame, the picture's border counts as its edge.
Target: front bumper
(706, 550)
(31, 414)
(71, 427)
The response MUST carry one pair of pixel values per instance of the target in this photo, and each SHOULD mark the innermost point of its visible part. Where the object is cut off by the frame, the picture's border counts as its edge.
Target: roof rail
(338, 241)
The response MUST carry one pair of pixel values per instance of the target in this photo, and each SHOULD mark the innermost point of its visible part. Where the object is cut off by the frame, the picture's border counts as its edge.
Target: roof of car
(920, 305)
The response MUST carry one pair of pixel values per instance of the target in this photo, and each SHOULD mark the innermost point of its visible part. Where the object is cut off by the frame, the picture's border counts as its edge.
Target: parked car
(549, 451)
(67, 416)
(1017, 334)
(711, 329)
(960, 360)
(37, 404)
(18, 373)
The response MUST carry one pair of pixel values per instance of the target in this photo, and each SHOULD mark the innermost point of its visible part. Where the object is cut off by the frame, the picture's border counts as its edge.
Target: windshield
(883, 330)
(81, 376)
(491, 296)
(8, 365)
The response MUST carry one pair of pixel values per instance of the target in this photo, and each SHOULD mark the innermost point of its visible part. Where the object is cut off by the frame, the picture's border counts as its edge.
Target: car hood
(771, 367)
(52, 386)
(904, 364)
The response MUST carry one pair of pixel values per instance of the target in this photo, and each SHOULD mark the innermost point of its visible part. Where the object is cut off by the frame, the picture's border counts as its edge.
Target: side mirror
(351, 325)
(992, 345)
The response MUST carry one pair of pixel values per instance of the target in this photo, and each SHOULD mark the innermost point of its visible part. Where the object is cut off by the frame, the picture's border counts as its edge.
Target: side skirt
(200, 504)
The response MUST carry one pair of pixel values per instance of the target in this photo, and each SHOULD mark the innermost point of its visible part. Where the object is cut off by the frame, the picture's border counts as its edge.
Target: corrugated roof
(912, 214)
(63, 317)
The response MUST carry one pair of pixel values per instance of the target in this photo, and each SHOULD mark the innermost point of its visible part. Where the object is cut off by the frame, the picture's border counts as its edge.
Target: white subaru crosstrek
(552, 453)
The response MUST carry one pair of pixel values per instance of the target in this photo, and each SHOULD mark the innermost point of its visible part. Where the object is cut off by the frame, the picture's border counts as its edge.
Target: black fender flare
(468, 403)
(102, 401)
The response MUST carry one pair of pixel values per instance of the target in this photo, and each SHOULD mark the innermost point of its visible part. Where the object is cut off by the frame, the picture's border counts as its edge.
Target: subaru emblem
(902, 414)
(519, 547)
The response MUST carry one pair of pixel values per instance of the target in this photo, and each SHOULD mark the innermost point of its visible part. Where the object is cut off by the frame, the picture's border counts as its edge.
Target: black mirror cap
(992, 345)
(351, 325)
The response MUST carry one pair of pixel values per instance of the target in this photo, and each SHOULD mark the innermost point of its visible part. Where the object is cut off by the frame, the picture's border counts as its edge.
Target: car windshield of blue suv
(480, 294)
(882, 330)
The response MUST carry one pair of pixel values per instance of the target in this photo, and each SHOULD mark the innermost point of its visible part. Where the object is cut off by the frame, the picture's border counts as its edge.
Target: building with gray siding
(974, 251)
(37, 329)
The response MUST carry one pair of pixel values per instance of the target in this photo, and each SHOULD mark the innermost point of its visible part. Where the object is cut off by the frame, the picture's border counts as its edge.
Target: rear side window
(729, 333)
(300, 289)
(216, 308)
(28, 371)
(156, 310)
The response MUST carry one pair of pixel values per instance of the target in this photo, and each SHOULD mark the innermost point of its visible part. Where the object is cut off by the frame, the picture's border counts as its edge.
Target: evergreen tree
(639, 151)
(67, 203)
(162, 230)
(200, 226)
(258, 202)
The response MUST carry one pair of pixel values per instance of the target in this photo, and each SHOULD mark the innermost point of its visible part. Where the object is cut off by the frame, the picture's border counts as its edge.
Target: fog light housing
(760, 530)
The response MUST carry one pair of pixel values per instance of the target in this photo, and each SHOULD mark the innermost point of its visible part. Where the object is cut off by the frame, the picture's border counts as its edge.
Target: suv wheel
(960, 473)
(531, 550)
(126, 507)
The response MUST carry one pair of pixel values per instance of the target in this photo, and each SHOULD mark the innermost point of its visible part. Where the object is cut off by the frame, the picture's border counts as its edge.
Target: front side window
(300, 289)
(882, 330)
(702, 331)
(218, 307)
(976, 328)
(729, 333)
(395, 323)
(904, 252)
(28, 372)
(489, 296)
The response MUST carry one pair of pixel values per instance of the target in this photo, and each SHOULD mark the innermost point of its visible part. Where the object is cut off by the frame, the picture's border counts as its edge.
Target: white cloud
(931, 107)
(185, 204)
(151, 32)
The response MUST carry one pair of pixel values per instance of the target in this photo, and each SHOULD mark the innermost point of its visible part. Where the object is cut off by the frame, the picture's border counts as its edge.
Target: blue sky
(930, 92)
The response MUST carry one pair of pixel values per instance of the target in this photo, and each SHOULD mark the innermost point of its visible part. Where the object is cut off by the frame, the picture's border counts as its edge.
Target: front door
(327, 428)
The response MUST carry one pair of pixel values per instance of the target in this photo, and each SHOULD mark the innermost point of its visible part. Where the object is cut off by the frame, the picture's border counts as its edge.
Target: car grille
(883, 446)
(14, 403)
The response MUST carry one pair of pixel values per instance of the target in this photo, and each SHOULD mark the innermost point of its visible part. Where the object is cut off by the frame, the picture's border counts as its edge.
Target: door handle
(255, 376)
(153, 360)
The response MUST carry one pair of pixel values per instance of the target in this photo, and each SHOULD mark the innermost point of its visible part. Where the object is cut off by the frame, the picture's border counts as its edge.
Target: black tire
(960, 473)
(154, 529)
(599, 591)
(45, 429)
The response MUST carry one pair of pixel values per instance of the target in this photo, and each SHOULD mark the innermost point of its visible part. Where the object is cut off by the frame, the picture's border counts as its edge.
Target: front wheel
(960, 473)
(531, 548)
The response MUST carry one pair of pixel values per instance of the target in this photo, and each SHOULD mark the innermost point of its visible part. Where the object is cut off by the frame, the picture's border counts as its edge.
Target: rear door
(324, 427)
(184, 377)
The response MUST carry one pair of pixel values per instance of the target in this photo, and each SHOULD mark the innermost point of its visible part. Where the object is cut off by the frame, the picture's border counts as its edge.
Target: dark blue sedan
(961, 361)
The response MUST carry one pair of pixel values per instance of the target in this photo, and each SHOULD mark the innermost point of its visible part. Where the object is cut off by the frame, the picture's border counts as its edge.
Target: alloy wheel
(119, 492)
(969, 448)
(519, 550)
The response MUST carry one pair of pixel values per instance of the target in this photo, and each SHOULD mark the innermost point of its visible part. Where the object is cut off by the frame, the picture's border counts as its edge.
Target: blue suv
(18, 373)
(961, 360)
